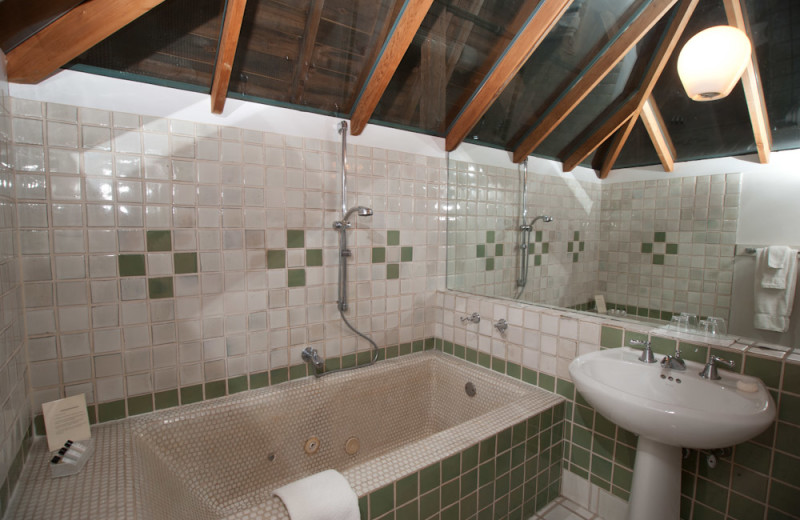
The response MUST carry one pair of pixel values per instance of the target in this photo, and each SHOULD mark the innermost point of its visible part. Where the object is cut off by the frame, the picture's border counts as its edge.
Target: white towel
(773, 272)
(774, 288)
(323, 496)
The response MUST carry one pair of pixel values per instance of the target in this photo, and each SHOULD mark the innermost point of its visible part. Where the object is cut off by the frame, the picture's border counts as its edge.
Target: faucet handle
(710, 370)
(647, 356)
(724, 362)
(472, 318)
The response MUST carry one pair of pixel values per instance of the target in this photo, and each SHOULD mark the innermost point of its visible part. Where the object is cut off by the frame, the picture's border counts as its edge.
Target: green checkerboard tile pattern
(575, 246)
(490, 251)
(659, 248)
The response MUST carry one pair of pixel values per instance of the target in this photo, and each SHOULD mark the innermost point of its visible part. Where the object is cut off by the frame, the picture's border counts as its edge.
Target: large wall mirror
(653, 248)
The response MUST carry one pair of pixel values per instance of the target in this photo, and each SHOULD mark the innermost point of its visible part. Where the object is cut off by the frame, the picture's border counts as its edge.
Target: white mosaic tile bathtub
(211, 460)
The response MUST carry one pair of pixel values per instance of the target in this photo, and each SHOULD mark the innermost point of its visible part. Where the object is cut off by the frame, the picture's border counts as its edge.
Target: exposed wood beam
(410, 18)
(654, 123)
(630, 111)
(616, 147)
(751, 81)
(306, 50)
(226, 52)
(544, 18)
(71, 35)
(609, 58)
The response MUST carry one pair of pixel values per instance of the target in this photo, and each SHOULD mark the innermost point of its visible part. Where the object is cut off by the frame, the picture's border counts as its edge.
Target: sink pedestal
(656, 489)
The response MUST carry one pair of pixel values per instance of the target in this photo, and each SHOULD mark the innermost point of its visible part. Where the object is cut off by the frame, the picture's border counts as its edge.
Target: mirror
(652, 246)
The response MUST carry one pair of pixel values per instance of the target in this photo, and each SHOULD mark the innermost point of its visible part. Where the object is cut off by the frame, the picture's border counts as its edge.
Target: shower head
(545, 218)
(361, 211)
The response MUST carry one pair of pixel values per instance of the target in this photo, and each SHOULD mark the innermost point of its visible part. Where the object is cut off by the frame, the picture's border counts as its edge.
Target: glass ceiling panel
(605, 99)
(703, 129)
(571, 47)
(452, 52)
(174, 42)
(295, 52)
(775, 31)
(638, 150)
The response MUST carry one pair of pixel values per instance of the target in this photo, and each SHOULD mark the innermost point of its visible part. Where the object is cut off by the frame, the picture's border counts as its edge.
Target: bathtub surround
(15, 425)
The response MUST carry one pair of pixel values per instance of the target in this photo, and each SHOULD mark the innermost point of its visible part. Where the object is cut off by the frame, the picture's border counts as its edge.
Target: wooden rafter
(306, 50)
(631, 110)
(71, 35)
(410, 18)
(751, 81)
(654, 123)
(525, 43)
(226, 52)
(604, 63)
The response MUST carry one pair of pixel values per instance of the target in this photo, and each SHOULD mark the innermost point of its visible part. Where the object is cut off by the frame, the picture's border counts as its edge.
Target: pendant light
(712, 61)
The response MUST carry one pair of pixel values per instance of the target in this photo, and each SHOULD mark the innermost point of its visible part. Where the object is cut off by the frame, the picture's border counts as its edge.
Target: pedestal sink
(669, 409)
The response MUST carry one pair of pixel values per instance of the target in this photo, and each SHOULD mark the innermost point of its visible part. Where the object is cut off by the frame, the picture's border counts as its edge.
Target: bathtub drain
(352, 446)
(311, 446)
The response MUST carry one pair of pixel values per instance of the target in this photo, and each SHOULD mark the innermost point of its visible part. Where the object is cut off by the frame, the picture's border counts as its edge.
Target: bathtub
(404, 432)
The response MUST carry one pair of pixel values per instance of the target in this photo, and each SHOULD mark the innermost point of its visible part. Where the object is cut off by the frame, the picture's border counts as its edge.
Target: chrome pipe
(343, 133)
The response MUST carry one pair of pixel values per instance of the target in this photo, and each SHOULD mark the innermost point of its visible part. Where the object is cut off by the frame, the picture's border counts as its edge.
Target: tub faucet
(311, 356)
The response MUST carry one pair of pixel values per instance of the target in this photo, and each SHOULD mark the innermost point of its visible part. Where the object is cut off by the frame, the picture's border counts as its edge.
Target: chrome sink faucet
(647, 356)
(710, 370)
(675, 361)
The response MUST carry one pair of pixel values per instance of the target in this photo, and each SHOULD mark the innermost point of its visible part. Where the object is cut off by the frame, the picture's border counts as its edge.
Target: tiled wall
(759, 481)
(667, 246)
(484, 235)
(166, 262)
(15, 420)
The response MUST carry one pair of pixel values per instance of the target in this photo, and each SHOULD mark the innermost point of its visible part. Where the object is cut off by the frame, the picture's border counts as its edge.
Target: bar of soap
(746, 387)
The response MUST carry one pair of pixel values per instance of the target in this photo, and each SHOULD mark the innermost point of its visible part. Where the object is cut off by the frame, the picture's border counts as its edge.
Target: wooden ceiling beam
(590, 78)
(226, 53)
(654, 123)
(70, 36)
(538, 26)
(306, 50)
(751, 82)
(632, 109)
(410, 18)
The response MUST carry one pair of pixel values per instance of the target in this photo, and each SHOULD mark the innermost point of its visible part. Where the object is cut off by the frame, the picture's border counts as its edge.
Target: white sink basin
(669, 409)
(693, 413)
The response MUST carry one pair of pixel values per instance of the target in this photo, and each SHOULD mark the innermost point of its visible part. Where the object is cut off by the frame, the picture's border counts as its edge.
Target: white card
(600, 302)
(65, 420)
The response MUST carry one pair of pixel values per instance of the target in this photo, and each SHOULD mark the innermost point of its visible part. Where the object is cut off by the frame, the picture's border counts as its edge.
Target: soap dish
(70, 459)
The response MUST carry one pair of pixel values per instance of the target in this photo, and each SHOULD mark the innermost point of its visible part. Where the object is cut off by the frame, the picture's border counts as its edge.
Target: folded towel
(774, 289)
(773, 265)
(323, 496)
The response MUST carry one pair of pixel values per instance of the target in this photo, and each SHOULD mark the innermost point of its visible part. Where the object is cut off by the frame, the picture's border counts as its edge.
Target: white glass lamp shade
(712, 61)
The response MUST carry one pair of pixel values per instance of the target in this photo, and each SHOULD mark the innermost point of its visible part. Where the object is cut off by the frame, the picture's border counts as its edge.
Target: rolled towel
(773, 266)
(323, 496)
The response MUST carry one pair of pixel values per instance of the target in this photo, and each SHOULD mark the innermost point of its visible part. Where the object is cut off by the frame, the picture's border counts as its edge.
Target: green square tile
(490, 264)
(140, 404)
(406, 254)
(545, 248)
(185, 263)
(565, 388)
(601, 468)
(381, 501)
(582, 437)
(547, 382)
(111, 411)
(429, 504)
(768, 370)
(785, 469)
(658, 259)
(748, 483)
(313, 257)
(742, 508)
(160, 287)
(647, 248)
(672, 249)
(784, 498)
(790, 409)
(407, 488)
(298, 371)
(276, 259)
(537, 260)
(498, 250)
(604, 427)
(753, 456)
(663, 346)
(693, 352)
(581, 246)
(409, 511)
(576, 236)
(610, 337)
(659, 236)
(539, 235)
(38, 425)
(378, 255)
(791, 378)
(429, 478)
(575, 257)
(278, 375)
(480, 250)
(297, 277)
(450, 493)
(702, 512)
(470, 458)
(490, 237)
(160, 240)
(570, 247)
(131, 265)
(191, 394)
(237, 384)
(451, 467)
(392, 271)
(393, 238)
(215, 389)
(166, 399)
(295, 238)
